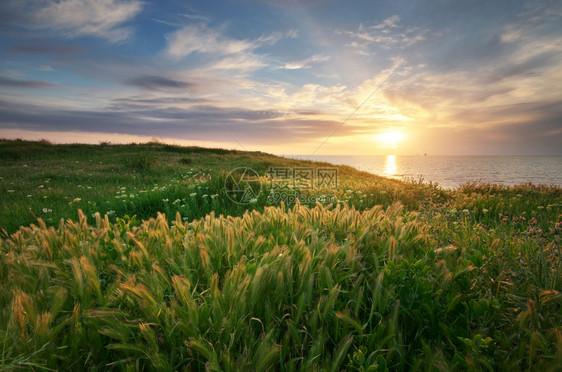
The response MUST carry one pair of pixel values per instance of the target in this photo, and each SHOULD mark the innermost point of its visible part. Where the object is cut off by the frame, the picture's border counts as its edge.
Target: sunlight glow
(390, 138)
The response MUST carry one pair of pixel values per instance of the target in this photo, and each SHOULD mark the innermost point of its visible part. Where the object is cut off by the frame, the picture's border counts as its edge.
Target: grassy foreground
(394, 276)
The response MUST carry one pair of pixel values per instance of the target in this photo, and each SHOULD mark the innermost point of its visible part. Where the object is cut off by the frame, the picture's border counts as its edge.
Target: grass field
(132, 257)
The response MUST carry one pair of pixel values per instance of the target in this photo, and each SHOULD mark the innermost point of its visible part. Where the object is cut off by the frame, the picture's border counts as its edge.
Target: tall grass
(300, 288)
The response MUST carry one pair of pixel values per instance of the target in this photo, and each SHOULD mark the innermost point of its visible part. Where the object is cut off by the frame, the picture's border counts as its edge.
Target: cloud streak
(154, 82)
(75, 18)
(26, 84)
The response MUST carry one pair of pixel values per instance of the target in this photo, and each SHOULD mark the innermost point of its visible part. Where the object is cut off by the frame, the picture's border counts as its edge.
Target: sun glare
(390, 138)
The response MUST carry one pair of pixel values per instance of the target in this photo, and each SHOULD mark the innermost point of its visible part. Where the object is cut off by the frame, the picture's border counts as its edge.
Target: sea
(451, 171)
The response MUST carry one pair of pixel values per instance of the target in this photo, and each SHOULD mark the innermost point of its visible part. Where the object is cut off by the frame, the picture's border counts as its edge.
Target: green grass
(393, 276)
(38, 179)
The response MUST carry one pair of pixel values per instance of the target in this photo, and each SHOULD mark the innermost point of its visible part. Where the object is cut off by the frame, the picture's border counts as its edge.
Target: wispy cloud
(391, 22)
(274, 37)
(154, 82)
(202, 39)
(17, 83)
(45, 68)
(387, 34)
(75, 18)
(45, 49)
(305, 63)
(220, 53)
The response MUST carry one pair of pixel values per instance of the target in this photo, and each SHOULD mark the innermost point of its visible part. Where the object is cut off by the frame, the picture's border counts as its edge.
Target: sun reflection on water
(390, 166)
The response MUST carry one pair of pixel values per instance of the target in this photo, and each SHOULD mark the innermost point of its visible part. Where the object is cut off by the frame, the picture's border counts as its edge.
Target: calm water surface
(451, 171)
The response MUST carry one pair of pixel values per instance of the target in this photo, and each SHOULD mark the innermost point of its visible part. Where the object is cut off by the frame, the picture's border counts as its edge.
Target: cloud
(240, 62)
(32, 84)
(134, 103)
(250, 126)
(154, 82)
(291, 4)
(201, 39)
(274, 37)
(75, 18)
(391, 22)
(220, 52)
(306, 63)
(45, 49)
(386, 34)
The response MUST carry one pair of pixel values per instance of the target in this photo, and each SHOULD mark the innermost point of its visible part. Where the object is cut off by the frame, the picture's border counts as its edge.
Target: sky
(307, 77)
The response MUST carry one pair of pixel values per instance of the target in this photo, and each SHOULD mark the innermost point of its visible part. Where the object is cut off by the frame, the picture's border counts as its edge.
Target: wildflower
(540, 207)
(47, 210)
(177, 201)
(76, 200)
(454, 210)
(466, 211)
(253, 201)
(10, 191)
(165, 200)
(193, 194)
(507, 279)
(89, 187)
(484, 210)
(29, 196)
(41, 186)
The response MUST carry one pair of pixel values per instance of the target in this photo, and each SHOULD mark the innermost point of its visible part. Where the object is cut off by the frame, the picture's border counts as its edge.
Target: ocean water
(451, 171)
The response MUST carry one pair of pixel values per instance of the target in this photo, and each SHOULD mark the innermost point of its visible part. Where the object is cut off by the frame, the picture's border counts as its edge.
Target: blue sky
(441, 77)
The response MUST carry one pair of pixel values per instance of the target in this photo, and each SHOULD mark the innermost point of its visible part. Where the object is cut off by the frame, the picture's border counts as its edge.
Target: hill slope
(391, 275)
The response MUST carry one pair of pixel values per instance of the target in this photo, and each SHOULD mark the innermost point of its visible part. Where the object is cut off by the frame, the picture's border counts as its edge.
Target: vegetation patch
(173, 275)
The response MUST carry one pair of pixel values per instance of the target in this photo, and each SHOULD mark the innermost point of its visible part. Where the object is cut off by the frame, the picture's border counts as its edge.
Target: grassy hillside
(38, 179)
(394, 275)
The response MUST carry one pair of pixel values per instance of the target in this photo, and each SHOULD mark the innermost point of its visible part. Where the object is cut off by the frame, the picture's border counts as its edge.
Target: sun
(390, 138)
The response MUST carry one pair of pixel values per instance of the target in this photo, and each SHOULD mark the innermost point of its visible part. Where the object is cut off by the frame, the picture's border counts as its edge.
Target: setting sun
(390, 138)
